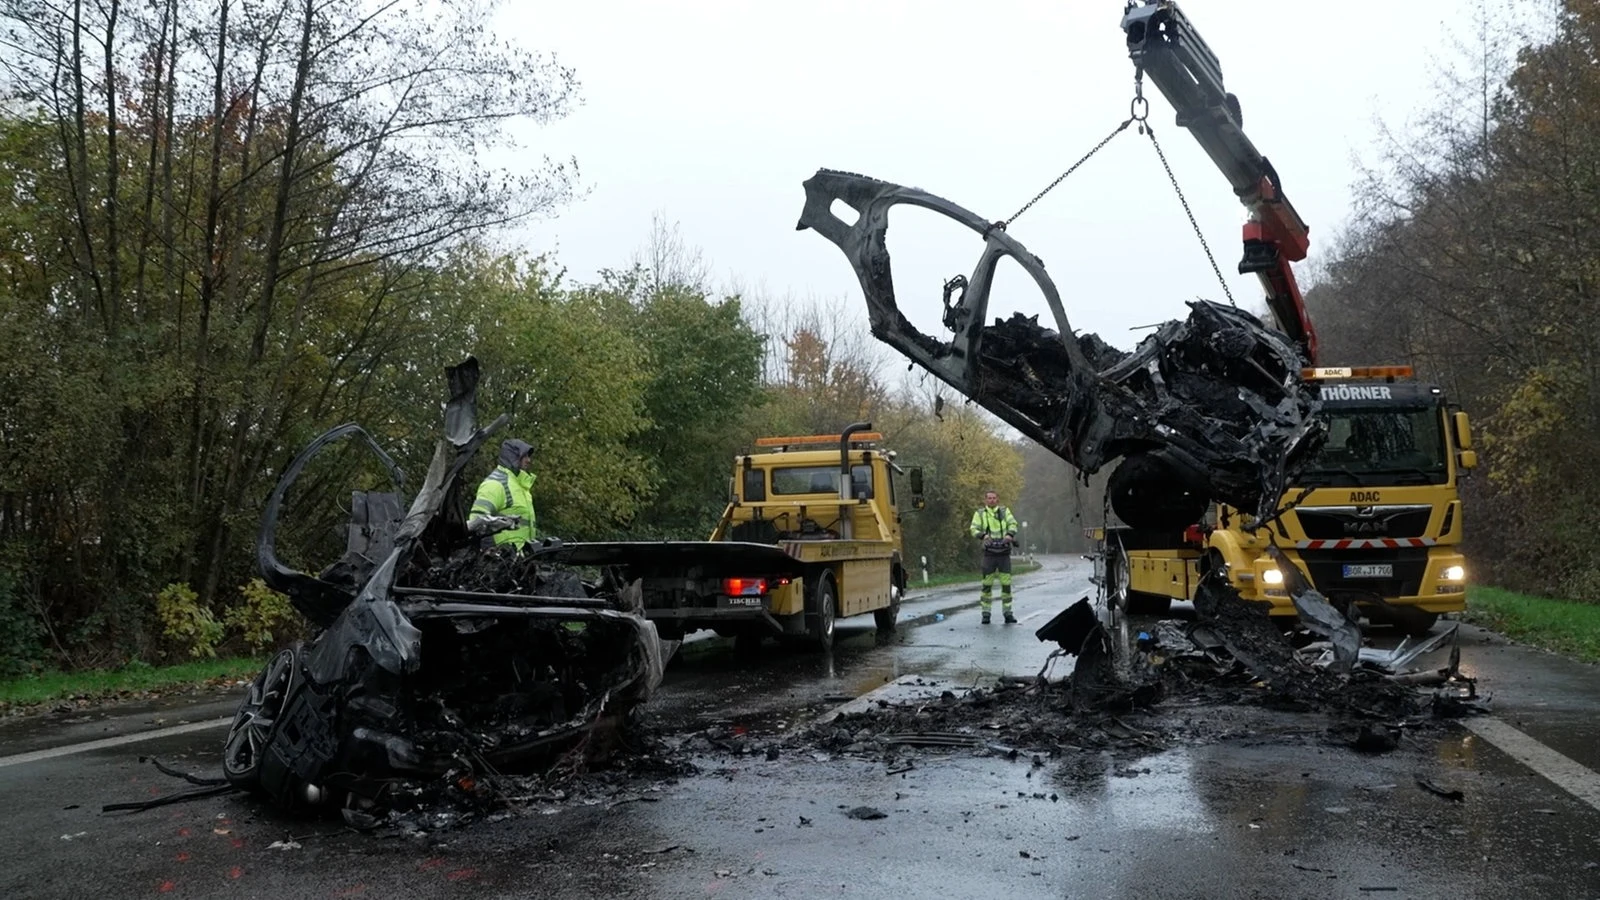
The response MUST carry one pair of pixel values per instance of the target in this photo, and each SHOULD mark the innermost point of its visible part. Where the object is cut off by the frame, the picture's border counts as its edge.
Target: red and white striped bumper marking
(1365, 543)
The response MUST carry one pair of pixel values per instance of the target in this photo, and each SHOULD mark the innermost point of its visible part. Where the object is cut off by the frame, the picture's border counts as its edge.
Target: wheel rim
(827, 615)
(257, 718)
(1119, 596)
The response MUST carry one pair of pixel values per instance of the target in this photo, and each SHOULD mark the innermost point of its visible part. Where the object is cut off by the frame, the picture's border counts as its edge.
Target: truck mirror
(917, 500)
(1463, 432)
(1467, 459)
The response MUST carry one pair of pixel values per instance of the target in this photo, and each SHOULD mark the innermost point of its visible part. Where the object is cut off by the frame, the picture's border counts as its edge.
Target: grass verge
(101, 684)
(1559, 625)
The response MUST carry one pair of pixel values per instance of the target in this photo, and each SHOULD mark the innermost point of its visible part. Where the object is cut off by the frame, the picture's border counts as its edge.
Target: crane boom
(1165, 47)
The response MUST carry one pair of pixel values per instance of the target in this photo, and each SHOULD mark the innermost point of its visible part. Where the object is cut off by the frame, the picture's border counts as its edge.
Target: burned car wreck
(433, 661)
(1208, 408)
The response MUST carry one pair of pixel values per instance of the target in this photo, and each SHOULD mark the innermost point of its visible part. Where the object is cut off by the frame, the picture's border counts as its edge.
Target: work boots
(985, 618)
(1010, 619)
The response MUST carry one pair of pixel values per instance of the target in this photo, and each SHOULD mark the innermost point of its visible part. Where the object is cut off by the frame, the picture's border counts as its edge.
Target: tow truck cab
(1375, 519)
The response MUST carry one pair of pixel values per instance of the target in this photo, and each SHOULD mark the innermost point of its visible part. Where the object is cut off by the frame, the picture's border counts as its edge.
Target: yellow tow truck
(811, 533)
(1375, 519)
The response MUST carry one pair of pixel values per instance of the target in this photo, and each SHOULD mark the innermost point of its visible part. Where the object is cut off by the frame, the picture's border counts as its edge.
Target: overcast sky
(713, 112)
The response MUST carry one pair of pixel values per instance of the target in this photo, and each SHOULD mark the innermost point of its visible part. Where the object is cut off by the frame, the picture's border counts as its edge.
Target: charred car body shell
(1207, 408)
(424, 660)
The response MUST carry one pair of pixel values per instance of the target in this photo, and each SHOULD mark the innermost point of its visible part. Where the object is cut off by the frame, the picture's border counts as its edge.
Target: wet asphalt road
(1265, 814)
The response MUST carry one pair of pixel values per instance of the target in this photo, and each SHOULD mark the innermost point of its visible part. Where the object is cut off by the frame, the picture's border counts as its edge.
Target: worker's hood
(512, 451)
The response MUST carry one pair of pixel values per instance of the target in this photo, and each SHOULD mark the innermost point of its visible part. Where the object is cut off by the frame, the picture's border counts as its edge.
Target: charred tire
(821, 609)
(257, 718)
(1148, 493)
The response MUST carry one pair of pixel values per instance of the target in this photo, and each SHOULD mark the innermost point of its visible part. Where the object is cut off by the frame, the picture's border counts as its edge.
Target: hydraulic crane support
(1165, 47)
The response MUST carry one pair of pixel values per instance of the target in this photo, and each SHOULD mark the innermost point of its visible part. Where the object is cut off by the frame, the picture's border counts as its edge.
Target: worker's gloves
(483, 525)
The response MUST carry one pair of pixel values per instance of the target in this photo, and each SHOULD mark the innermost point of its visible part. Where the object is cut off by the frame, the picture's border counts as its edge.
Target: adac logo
(1364, 497)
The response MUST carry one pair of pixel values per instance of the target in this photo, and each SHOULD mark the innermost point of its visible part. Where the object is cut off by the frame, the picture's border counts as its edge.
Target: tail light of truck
(744, 587)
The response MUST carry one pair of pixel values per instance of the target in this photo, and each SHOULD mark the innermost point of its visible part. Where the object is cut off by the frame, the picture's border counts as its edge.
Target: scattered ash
(637, 770)
(1231, 677)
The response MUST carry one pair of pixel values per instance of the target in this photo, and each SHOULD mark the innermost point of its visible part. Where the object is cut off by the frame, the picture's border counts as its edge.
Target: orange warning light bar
(1356, 372)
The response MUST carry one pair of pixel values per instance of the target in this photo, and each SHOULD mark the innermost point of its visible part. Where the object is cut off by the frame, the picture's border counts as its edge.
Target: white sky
(713, 112)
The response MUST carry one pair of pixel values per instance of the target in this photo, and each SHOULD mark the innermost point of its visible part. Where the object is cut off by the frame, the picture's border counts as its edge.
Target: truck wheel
(1117, 577)
(819, 618)
(888, 617)
(1127, 600)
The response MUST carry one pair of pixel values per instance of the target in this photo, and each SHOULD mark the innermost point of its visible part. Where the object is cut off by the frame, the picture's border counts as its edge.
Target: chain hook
(1138, 107)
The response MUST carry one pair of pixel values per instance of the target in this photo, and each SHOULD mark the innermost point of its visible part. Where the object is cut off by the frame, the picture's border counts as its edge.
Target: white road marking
(103, 743)
(1573, 777)
(1034, 615)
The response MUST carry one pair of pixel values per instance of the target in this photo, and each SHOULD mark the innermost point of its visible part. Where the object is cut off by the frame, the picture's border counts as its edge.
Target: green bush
(261, 612)
(186, 622)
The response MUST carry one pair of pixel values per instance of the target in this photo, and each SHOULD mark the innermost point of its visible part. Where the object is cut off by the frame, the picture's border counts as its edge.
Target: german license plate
(1375, 570)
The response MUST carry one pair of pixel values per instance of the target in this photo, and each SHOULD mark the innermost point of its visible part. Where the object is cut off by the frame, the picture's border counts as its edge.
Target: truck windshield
(1380, 445)
(820, 480)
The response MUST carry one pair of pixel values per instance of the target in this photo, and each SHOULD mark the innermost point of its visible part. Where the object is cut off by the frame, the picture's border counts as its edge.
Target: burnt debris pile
(1232, 673)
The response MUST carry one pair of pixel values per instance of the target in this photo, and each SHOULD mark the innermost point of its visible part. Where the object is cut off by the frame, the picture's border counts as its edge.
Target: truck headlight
(1454, 573)
(1272, 576)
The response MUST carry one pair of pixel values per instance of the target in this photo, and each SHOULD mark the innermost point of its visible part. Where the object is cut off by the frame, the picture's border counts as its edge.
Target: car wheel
(256, 720)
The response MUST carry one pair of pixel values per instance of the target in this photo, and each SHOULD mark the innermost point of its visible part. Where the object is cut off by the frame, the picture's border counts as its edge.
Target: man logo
(1366, 512)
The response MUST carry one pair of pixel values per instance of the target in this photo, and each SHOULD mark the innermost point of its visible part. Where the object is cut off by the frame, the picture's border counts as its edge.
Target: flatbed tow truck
(811, 534)
(1375, 518)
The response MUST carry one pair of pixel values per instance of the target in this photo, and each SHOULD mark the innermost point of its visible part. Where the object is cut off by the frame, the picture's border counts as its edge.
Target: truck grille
(1324, 567)
(1336, 522)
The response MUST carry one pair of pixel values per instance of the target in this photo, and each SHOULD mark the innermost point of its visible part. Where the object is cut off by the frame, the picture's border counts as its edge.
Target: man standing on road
(506, 493)
(996, 527)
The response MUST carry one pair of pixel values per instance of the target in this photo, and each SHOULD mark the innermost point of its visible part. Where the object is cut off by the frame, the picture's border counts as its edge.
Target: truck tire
(1116, 576)
(1120, 595)
(820, 614)
(888, 617)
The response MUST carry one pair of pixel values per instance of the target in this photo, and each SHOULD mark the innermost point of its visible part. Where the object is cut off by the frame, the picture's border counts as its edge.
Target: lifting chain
(1138, 111)
(1146, 129)
(1063, 176)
